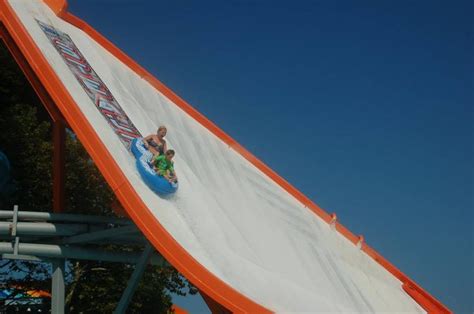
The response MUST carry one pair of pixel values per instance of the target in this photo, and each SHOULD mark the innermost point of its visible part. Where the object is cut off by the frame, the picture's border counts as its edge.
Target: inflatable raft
(154, 181)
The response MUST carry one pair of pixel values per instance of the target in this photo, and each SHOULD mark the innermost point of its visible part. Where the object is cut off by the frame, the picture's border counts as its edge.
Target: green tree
(25, 137)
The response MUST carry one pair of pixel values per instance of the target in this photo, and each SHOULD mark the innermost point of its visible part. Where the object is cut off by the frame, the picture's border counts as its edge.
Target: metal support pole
(15, 220)
(53, 217)
(57, 295)
(73, 252)
(14, 230)
(134, 280)
(44, 229)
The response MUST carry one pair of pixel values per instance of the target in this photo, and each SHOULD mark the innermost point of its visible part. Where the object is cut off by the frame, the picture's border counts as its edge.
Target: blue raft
(154, 181)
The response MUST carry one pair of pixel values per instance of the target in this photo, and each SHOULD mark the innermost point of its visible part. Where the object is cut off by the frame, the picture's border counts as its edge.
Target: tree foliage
(25, 137)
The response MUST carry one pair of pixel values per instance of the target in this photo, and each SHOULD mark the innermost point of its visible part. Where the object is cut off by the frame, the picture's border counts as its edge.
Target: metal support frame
(54, 238)
(134, 280)
(50, 235)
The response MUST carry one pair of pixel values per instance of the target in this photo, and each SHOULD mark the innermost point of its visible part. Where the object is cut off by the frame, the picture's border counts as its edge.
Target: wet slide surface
(231, 229)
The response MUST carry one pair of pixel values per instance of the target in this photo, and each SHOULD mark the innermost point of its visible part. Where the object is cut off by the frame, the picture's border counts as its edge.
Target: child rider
(163, 165)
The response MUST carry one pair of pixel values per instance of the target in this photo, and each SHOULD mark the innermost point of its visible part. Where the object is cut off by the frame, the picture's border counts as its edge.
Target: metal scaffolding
(56, 237)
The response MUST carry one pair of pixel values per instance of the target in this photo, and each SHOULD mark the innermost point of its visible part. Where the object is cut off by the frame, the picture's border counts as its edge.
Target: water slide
(245, 237)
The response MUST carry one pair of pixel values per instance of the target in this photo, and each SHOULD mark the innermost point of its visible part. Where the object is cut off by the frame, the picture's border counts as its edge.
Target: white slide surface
(228, 215)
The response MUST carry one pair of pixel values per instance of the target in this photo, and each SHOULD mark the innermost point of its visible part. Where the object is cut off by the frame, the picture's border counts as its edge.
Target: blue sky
(364, 106)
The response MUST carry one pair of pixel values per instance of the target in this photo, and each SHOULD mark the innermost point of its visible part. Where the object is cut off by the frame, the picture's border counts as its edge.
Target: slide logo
(92, 84)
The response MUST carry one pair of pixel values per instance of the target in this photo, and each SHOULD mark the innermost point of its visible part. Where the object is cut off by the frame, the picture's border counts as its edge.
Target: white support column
(57, 291)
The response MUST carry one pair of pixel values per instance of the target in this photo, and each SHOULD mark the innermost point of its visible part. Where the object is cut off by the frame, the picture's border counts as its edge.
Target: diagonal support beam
(99, 235)
(134, 280)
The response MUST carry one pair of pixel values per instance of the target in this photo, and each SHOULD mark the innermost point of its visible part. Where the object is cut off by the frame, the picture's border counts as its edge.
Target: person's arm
(170, 176)
(165, 147)
(173, 175)
(148, 146)
(146, 139)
